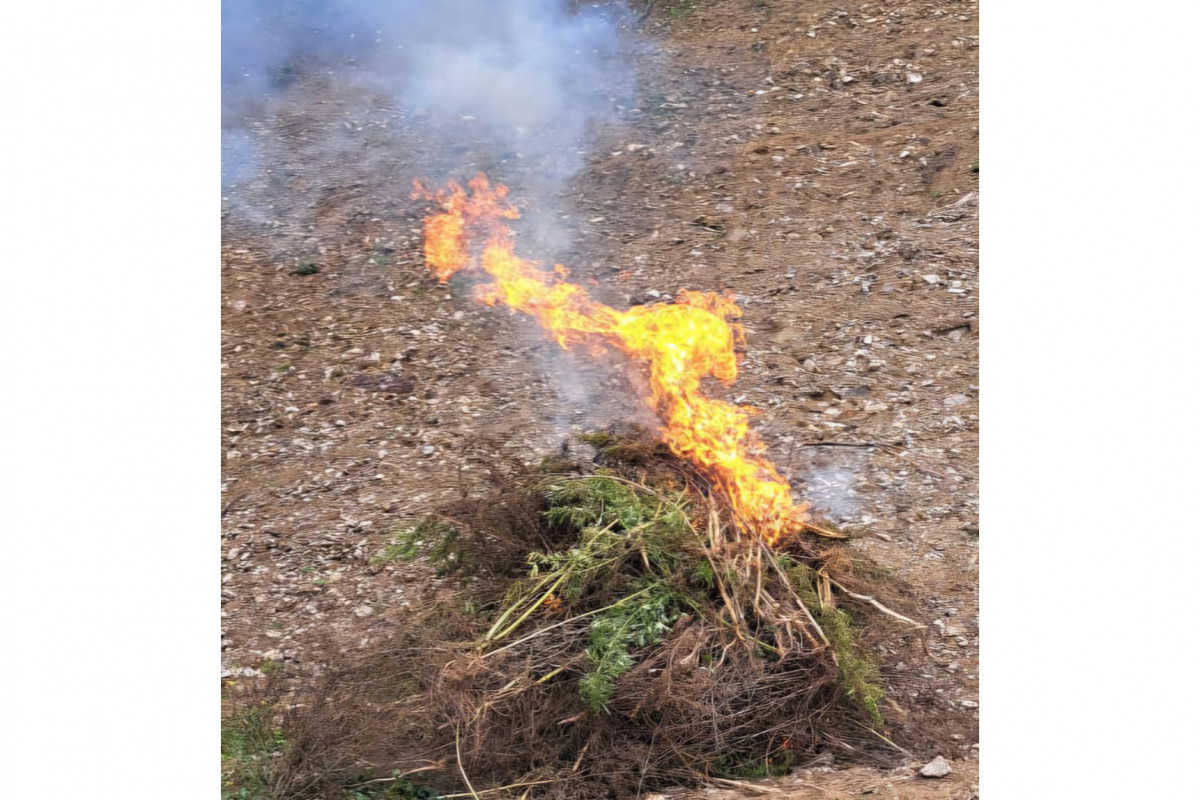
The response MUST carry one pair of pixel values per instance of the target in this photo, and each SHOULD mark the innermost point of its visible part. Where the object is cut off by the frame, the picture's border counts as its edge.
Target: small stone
(428, 449)
(914, 77)
(954, 400)
(931, 278)
(938, 768)
(363, 611)
(241, 672)
(969, 704)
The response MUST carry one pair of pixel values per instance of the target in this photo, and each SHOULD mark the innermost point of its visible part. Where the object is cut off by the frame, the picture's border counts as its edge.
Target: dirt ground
(818, 159)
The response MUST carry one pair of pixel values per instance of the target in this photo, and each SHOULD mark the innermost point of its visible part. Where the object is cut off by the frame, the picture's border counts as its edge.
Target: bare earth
(820, 160)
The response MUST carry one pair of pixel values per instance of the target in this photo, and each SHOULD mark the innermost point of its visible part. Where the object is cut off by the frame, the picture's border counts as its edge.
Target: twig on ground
(395, 776)
(497, 789)
(868, 599)
(819, 531)
(458, 757)
(750, 787)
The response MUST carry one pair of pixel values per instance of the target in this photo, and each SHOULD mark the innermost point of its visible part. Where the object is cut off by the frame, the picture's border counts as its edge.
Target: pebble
(938, 768)
(241, 672)
(931, 278)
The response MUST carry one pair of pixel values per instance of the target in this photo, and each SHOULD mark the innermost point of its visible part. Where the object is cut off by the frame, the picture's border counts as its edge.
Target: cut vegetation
(613, 632)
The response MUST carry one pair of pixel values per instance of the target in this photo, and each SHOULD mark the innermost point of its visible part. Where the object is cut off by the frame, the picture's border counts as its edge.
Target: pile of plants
(612, 632)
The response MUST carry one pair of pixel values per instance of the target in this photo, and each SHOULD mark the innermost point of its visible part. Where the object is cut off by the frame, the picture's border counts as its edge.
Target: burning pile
(648, 618)
(613, 633)
(681, 344)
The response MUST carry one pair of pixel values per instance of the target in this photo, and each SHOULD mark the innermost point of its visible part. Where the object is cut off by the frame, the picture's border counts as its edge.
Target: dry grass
(614, 632)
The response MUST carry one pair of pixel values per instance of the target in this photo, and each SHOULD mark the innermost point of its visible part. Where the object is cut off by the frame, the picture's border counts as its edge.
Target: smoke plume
(516, 83)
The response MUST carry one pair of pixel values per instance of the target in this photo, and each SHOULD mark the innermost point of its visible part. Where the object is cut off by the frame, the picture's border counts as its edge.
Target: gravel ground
(819, 160)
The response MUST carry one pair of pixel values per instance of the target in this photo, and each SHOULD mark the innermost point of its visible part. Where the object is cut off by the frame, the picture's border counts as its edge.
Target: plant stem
(566, 621)
(530, 610)
(514, 607)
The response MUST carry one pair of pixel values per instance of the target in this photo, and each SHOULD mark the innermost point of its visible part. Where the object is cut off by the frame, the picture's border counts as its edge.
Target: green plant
(630, 543)
(614, 633)
(975, 166)
(702, 575)
(858, 671)
(443, 541)
(248, 745)
(770, 766)
(398, 788)
(305, 267)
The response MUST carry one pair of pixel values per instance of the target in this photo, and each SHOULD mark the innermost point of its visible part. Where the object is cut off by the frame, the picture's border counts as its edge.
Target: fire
(681, 344)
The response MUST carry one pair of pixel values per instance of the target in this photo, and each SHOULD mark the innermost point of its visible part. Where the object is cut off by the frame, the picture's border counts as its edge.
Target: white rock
(914, 77)
(931, 278)
(241, 672)
(938, 768)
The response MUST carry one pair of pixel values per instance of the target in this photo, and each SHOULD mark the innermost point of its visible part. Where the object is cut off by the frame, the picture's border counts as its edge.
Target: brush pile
(614, 632)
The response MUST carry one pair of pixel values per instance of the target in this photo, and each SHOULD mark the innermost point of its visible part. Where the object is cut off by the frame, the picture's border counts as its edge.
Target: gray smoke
(331, 108)
(510, 84)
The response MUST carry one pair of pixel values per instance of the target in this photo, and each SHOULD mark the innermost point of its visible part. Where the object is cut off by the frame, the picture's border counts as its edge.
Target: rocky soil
(819, 159)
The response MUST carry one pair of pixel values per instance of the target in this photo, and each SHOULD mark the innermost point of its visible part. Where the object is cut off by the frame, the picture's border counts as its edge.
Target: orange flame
(681, 343)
